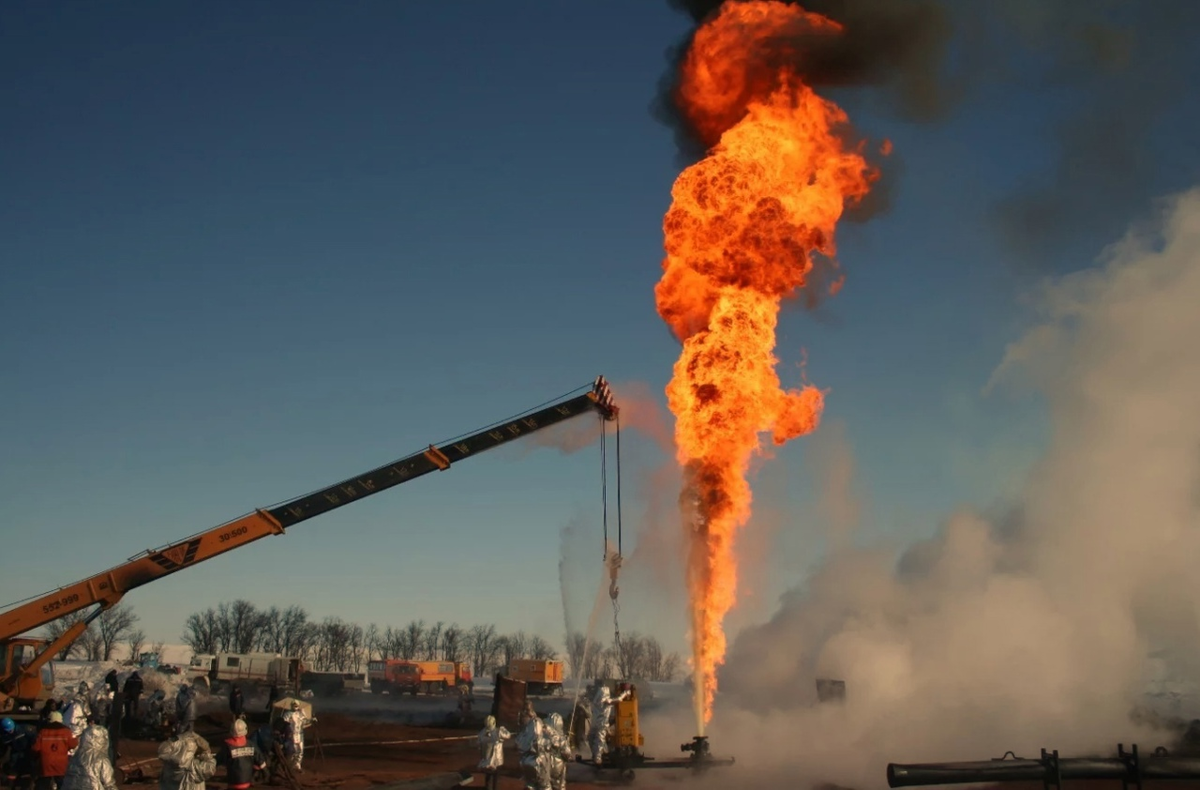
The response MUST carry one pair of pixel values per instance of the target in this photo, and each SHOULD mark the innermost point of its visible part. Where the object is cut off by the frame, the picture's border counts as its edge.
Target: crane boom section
(108, 587)
(436, 458)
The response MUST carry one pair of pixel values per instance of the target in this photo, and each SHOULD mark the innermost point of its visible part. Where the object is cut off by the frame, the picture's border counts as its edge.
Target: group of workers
(73, 746)
(74, 741)
(545, 747)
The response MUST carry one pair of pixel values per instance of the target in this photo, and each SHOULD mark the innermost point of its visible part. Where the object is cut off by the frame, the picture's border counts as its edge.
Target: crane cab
(25, 691)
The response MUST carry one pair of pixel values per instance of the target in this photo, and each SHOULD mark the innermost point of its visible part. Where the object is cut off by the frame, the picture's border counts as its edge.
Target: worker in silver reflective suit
(557, 750)
(491, 751)
(76, 715)
(90, 767)
(101, 703)
(603, 704)
(298, 721)
(530, 742)
(187, 762)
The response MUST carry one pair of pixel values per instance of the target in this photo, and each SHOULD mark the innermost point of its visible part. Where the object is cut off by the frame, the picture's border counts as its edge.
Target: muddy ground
(362, 743)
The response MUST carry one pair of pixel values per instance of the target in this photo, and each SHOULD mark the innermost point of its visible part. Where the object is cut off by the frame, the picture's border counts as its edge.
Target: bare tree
(515, 646)
(113, 624)
(159, 647)
(134, 641)
(92, 643)
(599, 661)
(270, 630)
(594, 661)
(540, 649)
(201, 631)
(414, 640)
(433, 641)
(360, 652)
(453, 643)
(297, 632)
(483, 646)
(334, 644)
(283, 631)
(393, 642)
(671, 667)
(372, 640)
(630, 656)
(240, 626)
(576, 645)
(56, 628)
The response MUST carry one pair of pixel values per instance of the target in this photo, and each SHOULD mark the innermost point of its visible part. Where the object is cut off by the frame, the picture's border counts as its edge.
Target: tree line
(633, 655)
(334, 645)
(100, 638)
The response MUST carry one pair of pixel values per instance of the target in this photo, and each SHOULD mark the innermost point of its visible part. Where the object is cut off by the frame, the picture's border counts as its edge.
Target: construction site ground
(357, 747)
(354, 754)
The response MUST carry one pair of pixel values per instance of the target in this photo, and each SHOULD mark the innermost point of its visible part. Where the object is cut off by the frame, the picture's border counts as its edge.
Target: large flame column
(739, 237)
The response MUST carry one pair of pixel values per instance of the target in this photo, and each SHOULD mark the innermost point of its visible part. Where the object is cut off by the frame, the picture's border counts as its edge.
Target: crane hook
(614, 567)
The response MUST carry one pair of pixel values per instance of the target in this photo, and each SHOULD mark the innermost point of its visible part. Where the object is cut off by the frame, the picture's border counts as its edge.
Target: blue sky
(246, 254)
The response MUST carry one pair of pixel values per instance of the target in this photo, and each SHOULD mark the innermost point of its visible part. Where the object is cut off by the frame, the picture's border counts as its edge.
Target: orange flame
(739, 238)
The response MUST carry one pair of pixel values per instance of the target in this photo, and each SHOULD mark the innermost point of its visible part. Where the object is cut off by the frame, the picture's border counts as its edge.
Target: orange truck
(539, 676)
(400, 676)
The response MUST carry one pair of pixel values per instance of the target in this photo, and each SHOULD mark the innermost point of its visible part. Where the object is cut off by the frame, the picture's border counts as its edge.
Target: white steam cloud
(1030, 633)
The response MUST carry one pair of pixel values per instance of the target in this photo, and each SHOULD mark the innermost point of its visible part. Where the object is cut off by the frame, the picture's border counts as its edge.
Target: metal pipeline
(1050, 769)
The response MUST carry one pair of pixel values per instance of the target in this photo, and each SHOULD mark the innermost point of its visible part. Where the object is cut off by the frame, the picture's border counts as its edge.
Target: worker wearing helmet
(16, 742)
(297, 720)
(75, 716)
(240, 757)
(603, 704)
(90, 768)
(491, 751)
(557, 750)
(52, 745)
(187, 762)
(531, 743)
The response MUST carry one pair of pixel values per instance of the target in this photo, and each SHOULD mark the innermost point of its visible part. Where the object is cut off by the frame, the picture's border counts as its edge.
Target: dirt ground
(349, 754)
(361, 752)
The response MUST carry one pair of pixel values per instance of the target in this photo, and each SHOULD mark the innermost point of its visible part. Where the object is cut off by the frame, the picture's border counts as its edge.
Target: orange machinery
(541, 676)
(404, 676)
(27, 674)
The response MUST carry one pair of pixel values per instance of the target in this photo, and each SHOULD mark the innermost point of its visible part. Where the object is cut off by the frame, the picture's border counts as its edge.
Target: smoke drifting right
(1117, 63)
(1042, 625)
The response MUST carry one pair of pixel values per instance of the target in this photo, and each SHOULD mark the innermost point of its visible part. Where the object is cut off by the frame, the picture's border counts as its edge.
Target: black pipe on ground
(1049, 769)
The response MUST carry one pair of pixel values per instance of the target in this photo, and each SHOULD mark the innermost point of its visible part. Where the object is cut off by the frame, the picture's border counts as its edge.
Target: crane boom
(106, 589)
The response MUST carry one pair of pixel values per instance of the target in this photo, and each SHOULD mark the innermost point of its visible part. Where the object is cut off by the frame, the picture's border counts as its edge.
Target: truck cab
(201, 670)
(29, 692)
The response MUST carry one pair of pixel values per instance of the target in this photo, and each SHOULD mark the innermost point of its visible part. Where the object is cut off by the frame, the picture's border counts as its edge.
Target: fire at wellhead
(750, 225)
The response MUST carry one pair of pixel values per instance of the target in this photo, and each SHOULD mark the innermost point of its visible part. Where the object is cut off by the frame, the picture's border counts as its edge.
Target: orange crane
(27, 674)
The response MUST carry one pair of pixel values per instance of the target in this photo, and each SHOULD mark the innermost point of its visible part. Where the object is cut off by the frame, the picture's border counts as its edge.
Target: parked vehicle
(221, 671)
(328, 684)
(400, 676)
(539, 676)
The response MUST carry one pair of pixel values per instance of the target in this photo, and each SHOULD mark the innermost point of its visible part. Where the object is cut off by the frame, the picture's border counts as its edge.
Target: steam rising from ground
(1035, 633)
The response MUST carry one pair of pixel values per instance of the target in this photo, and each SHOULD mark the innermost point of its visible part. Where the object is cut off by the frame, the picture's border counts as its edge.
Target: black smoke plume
(1121, 62)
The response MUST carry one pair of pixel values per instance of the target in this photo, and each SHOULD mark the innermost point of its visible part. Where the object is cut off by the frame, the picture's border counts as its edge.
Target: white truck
(220, 671)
